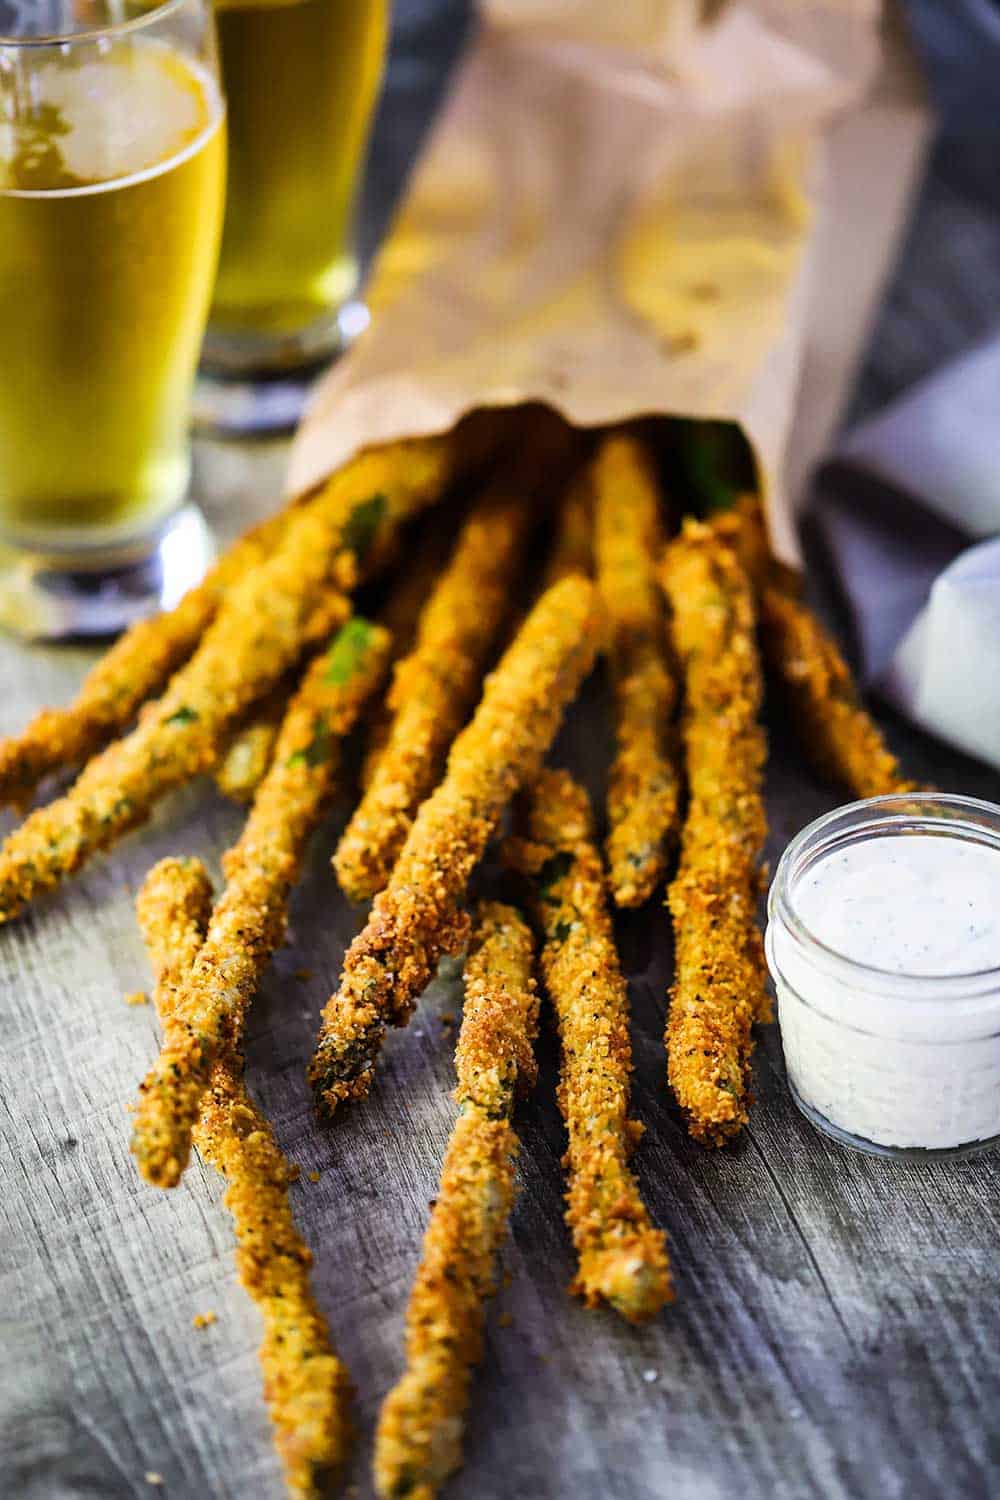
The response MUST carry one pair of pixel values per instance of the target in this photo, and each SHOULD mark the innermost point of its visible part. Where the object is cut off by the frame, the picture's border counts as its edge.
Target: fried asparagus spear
(248, 922)
(719, 988)
(401, 616)
(643, 787)
(248, 753)
(419, 1438)
(572, 549)
(133, 670)
(305, 1385)
(621, 1257)
(436, 685)
(836, 731)
(418, 917)
(259, 633)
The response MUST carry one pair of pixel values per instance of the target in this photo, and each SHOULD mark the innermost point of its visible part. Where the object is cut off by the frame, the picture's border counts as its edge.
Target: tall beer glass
(301, 79)
(112, 180)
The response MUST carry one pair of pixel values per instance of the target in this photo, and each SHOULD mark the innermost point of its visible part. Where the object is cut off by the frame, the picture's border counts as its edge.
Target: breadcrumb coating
(719, 988)
(133, 670)
(305, 1385)
(836, 731)
(572, 549)
(419, 1438)
(418, 917)
(621, 1258)
(436, 685)
(248, 753)
(248, 922)
(401, 616)
(259, 633)
(837, 734)
(744, 528)
(643, 786)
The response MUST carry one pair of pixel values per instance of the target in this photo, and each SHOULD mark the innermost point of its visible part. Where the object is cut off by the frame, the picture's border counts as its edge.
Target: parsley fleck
(347, 650)
(184, 715)
(317, 752)
(362, 524)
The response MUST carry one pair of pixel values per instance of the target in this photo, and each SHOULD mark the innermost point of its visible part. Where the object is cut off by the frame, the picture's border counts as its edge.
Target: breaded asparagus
(572, 548)
(418, 917)
(248, 922)
(247, 754)
(401, 616)
(744, 528)
(436, 685)
(643, 787)
(622, 1258)
(305, 1384)
(719, 990)
(836, 731)
(419, 1438)
(258, 634)
(133, 670)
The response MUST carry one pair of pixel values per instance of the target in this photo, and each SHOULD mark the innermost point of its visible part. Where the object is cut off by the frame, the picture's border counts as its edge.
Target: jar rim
(940, 814)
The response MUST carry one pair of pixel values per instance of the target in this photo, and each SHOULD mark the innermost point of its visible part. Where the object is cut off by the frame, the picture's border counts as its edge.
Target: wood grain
(837, 1329)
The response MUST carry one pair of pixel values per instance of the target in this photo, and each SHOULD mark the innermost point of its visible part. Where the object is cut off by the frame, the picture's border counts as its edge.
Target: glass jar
(891, 1027)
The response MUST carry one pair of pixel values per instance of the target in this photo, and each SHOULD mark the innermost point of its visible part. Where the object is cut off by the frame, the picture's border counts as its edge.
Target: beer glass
(112, 180)
(301, 80)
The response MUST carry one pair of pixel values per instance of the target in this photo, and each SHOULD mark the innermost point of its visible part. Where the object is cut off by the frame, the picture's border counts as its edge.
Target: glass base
(48, 597)
(259, 383)
(896, 1153)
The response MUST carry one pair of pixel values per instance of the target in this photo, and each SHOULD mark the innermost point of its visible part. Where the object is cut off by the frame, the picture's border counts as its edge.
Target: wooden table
(836, 1332)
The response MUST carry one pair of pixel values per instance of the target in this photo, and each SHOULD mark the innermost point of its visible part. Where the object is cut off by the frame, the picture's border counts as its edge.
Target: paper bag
(623, 212)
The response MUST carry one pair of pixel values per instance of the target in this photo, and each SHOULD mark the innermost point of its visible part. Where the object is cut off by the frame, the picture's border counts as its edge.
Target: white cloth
(910, 512)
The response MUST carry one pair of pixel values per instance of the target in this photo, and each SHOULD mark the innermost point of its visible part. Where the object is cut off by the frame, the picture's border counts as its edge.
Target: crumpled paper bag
(623, 211)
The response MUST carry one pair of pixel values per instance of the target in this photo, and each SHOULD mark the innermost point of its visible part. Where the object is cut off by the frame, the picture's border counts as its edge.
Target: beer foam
(117, 117)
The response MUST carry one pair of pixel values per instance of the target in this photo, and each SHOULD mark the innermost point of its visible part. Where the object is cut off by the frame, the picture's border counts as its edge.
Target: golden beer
(109, 232)
(301, 80)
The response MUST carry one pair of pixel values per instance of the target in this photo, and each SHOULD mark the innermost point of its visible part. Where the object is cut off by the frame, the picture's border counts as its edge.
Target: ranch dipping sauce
(884, 944)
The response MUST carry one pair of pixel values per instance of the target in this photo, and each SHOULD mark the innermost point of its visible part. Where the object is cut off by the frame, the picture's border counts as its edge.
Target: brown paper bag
(622, 212)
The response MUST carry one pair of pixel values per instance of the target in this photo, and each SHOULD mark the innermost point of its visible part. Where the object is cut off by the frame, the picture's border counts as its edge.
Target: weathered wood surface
(837, 1330)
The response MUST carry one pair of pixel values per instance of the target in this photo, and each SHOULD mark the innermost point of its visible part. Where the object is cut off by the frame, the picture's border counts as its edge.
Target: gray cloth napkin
(909, 512)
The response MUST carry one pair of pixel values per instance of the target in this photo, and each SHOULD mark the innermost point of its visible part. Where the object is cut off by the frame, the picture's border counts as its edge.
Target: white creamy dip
(913, 903)
(885, 951)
